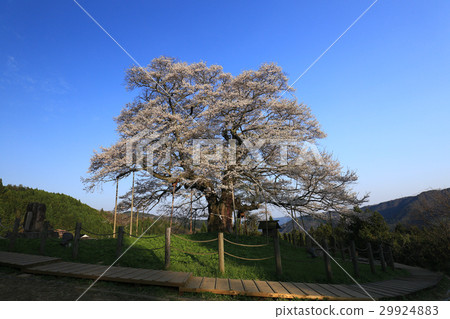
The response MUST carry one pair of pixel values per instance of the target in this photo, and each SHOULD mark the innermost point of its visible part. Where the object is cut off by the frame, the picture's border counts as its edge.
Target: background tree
(179, 103)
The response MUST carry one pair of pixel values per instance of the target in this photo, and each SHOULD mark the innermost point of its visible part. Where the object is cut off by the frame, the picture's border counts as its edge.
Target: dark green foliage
(427, 247)
(363, 227)
(62, 212)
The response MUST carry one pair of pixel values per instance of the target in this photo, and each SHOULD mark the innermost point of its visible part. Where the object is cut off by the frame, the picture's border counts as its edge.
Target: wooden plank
(236, 285)
(208, 283)
(75, 268)
(51, 266)
(180, 278)
(193, 283)
(399, 284)
(336, 292)
(153, 276)
(264, 287)
(23, 260)
(83, 270)
(147, 274)
(357, 289)
(278, 288)
(249, 286)
(354, 294)
(324, 292)
(97, 272)
(289, 286)
(131, 273)
(222, 284)
(116, 272)
(166, 276)
(58, 268)
(173, 279)
(308, 290)
(380, 292)
(390, 287)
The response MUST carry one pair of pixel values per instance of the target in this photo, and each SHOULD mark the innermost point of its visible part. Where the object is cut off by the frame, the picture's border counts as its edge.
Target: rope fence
(248, 259)
(148, 249)
(195, 241)
(383, 251)
(97, 234)
(145, 237)
(244, 245)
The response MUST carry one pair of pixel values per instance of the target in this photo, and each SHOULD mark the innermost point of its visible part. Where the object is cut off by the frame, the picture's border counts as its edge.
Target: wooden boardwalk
(185, 282)
(23, 261)
(273, 289)
(117, 274)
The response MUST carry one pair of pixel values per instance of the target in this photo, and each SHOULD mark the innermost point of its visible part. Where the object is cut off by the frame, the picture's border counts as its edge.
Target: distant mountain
(287, 224)
(415, 210)
(411, 210)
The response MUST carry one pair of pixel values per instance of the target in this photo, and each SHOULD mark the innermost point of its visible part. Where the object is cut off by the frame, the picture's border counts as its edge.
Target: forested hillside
(421, 209)
(63, 211)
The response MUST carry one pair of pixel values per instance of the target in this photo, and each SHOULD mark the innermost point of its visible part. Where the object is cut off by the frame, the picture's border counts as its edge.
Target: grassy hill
(62, 212)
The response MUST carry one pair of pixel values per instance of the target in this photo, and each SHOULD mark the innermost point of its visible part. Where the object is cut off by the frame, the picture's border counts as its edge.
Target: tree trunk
(220, 210)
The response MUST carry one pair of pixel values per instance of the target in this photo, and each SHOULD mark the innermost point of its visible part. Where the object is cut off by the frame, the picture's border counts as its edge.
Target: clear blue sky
(382, 93)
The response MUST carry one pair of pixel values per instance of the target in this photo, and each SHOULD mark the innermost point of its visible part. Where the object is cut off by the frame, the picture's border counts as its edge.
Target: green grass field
(297, 265)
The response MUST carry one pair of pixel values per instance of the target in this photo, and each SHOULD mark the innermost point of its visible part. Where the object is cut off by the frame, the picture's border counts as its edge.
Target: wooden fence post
(382, 260)
(44, 235)
(76, 241)
(119, 246)
(221, 254)
(354, 259)
(167, 250)
(390, 257)
(335, 248)
(371, 260)
(13, 235)
(276, 246)
(326, 259)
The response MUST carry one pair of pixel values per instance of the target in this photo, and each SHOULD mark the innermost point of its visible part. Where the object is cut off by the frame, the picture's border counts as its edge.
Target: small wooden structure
(269, 227)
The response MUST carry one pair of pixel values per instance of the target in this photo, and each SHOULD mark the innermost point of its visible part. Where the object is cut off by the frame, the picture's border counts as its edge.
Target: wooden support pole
(119, 247)
(13, 236)
(276, 246)
(167, 250)
(137, 220)
(190, 214)
(354, 259)
(382, 260)
(390, 260)
(132, 203)
(76, 241)
(221, 254)
(43, 235)
(335, 247)
(326, 259)
(371, 260)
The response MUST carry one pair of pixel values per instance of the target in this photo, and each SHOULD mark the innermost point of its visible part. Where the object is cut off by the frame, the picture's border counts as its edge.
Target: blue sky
(381, 93)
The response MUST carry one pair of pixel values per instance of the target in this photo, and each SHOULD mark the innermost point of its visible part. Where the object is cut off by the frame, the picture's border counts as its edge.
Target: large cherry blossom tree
(238, 141)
